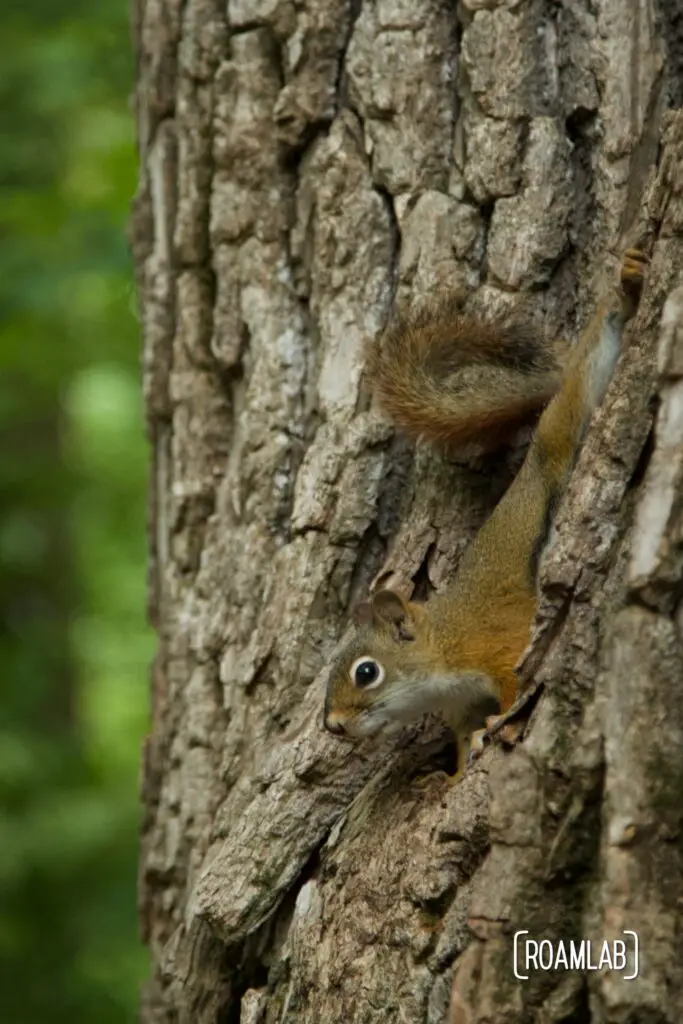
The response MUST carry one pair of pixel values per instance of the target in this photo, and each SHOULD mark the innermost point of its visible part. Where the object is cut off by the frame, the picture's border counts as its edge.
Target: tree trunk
(303, 165)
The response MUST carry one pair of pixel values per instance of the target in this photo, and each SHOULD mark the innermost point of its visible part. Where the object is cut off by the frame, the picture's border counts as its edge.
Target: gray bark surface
(303, 166)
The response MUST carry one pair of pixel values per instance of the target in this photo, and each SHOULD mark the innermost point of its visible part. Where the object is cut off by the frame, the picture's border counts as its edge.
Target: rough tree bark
(303, 164)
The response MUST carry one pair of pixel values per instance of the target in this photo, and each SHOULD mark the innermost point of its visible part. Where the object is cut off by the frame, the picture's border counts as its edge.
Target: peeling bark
(303, 166)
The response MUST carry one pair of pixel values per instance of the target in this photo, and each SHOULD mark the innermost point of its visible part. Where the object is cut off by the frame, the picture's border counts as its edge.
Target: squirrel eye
(366, 673)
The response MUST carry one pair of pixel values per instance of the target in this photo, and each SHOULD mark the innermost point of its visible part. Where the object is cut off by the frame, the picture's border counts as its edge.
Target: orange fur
(451, 378)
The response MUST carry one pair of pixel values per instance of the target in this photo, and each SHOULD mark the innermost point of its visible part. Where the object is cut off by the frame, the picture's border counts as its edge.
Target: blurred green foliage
(73, 640)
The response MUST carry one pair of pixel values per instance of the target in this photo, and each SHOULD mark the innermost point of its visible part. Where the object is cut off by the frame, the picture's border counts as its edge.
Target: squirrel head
(372, 684)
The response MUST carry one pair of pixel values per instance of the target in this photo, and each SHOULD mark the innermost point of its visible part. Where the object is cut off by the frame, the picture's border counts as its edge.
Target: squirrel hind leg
(632, 279)
(606, 352)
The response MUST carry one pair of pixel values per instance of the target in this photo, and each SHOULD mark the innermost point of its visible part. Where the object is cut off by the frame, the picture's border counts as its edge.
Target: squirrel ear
(387, 608)
(390, 607)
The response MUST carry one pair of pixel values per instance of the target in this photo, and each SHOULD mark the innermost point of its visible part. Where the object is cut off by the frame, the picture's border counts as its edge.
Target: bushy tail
(453, 379)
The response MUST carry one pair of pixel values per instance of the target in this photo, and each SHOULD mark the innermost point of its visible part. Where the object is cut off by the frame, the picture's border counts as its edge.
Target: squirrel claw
(436, 779)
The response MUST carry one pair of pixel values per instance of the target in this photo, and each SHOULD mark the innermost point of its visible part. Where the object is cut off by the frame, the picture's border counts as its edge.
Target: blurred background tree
(74, 642)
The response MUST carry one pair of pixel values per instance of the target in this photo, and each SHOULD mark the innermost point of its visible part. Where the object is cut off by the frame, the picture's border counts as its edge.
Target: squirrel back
(449, 377)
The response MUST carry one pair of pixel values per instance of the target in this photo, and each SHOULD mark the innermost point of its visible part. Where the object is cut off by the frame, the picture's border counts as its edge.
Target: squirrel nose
(332, 724)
